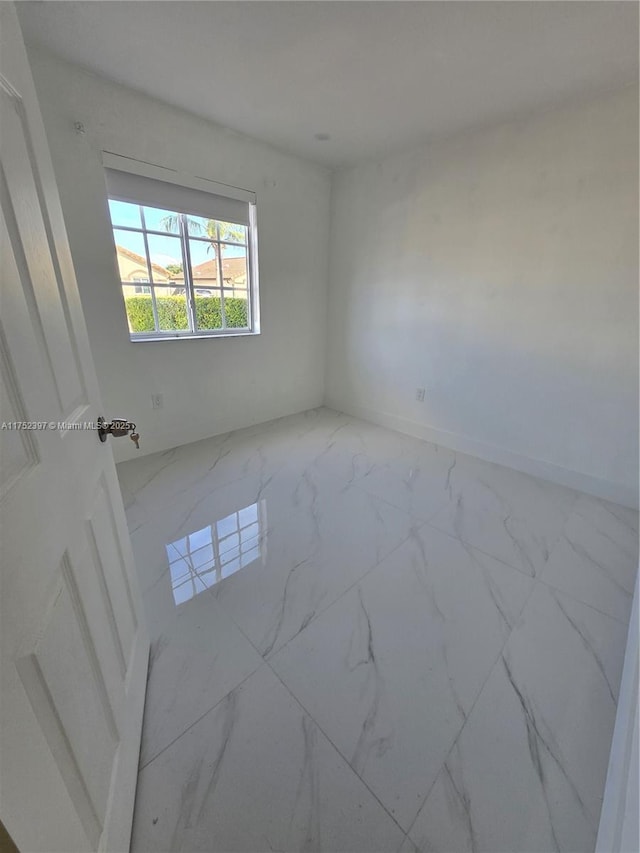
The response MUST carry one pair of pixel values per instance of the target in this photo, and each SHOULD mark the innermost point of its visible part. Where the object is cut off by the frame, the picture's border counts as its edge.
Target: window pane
(132, 261)
(198, 226)
(200, 538)
(176, 273)
(139, 309)
(233, 233)
(123, 213)
(248, 515)
(156, 219)
(217, 230)
(172, 309)
(232, 540)
(177, 549)
(234, 267)
(235, 312)
(204, 268)
(208, 313)
(250, 556)
(231, 553)
(227, 525)
(203, 261)
(202, 559)
(231, 568)
(234, 274)
(166, 258)
(249, 532)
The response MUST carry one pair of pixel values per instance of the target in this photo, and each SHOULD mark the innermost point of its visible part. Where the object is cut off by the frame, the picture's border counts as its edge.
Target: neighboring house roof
(138, 259)
(233, 269)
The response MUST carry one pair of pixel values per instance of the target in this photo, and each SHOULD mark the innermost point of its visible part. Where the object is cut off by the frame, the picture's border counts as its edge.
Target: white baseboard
(618, 832)
(160, 441)
(615, 492)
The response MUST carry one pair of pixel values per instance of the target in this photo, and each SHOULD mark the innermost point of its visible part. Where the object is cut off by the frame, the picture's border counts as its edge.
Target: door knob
(117, 428)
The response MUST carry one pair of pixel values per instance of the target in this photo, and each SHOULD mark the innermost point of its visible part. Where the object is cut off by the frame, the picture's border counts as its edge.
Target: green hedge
(172, 313)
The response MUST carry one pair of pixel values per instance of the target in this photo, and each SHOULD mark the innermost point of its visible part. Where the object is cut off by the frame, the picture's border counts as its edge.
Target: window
(140, 288)
(186, 258)
(207, 556)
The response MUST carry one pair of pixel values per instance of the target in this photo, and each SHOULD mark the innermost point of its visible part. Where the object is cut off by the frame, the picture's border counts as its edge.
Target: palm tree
(213, 229)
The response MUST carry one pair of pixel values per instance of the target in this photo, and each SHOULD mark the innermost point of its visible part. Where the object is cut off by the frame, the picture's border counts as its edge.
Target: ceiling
(373, 76)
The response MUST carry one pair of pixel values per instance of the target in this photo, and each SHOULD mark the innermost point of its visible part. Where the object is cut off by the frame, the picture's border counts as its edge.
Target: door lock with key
(117, 428)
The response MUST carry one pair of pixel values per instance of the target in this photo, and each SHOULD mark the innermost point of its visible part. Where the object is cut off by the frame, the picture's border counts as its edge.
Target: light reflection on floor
(203, 558)
(380, 680)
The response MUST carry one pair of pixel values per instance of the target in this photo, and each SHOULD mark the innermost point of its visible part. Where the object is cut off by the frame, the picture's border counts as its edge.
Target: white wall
(499, 270)
(209, 386)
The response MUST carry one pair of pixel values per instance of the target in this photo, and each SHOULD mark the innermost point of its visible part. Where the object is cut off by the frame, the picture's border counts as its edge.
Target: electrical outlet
(156, 401)
(420, 395)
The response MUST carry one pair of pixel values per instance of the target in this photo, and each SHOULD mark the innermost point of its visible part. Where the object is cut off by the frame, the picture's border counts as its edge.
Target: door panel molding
(75, 650)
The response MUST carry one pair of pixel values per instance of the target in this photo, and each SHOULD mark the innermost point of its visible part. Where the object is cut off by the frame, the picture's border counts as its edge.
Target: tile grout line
(266, 659)
(317, 613)
(535, 580)
(617, 619)
(266, 662)
(480, 550)
(473, 705)
(343, 757)
(263, 660)
(423, 520)
(323, 610)
(358, 485)
(201, 717)
(535, 576)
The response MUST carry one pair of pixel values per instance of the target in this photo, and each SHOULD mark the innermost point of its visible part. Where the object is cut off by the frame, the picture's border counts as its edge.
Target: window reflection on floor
(205, 557)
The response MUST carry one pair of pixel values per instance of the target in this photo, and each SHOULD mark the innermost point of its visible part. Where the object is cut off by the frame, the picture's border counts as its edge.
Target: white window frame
(160, 173)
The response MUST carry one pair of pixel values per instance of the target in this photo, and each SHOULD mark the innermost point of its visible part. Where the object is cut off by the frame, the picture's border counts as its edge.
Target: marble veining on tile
(257, 774)
(398, 661)
(312, 558)
(527, 771)
(197, 659)
(596, 557)
(366, 642)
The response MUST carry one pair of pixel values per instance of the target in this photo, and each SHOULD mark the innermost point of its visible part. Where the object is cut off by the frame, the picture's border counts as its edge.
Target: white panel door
(74, 648)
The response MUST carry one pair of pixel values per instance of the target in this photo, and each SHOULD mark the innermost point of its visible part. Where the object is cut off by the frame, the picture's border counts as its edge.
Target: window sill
(244, 333)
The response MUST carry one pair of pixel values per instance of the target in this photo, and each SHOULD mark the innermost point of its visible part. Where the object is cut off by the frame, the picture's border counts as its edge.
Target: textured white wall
(499, 270)
(209, 386)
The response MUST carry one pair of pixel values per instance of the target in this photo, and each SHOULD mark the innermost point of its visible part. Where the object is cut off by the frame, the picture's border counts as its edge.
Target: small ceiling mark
(322, 137)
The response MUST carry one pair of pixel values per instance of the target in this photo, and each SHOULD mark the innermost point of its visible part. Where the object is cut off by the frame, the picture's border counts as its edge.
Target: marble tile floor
(366, 642)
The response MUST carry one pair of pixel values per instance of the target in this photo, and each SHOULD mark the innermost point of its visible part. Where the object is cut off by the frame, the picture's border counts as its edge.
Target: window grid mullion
(217, 242)
(238, 533)
(218, 251)
(154, 304)
(152, 231)
(249, 271)
(215, 544)
(215, 239)
(186, 269)
(192, 570)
